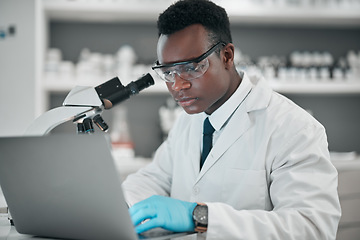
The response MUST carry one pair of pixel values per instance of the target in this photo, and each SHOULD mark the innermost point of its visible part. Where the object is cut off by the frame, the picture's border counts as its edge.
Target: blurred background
(308, 50)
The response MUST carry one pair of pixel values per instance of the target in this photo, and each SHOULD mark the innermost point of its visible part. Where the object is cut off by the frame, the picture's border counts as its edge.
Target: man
(268, 173)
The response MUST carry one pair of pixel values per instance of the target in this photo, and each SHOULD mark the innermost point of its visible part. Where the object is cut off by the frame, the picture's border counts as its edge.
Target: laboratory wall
(17, 66)
(339, 113)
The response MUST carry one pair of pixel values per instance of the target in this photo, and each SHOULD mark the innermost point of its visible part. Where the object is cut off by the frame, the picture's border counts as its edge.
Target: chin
(190, 110)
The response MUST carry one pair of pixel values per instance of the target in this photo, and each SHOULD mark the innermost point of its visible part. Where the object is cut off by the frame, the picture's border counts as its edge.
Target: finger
(152, 223)
(136, 207)
(142, 214)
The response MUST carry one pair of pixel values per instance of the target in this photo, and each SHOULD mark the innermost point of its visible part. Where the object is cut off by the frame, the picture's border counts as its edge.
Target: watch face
(201, 214)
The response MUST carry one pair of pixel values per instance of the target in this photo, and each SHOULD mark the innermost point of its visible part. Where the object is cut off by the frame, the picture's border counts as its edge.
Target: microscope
(84, 105)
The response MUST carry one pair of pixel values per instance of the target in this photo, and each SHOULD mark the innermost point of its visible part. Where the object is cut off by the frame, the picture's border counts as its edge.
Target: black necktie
(208, 130)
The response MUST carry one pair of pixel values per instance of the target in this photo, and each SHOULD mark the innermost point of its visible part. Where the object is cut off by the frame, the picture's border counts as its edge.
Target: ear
(228, 57)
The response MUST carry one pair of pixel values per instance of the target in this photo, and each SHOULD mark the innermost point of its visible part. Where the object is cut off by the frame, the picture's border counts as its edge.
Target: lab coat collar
(219, 117)
(258, 97)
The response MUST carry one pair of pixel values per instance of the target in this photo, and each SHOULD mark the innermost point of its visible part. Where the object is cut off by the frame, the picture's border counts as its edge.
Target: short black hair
(188, 12)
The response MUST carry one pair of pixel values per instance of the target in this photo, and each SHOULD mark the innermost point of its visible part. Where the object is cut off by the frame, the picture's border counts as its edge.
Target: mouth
(185, 102)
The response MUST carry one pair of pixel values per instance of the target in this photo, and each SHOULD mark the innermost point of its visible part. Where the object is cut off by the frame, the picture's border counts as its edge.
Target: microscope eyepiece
(143, 82)
(113, 92)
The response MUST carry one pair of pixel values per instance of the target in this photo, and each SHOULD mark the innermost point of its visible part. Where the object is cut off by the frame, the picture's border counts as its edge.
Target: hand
(168, 213)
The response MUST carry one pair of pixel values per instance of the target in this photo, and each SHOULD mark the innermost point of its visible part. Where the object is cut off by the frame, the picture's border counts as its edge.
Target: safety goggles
(187, 70)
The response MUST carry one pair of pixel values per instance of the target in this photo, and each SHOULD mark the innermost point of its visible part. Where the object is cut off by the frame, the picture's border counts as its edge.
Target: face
(209, 91)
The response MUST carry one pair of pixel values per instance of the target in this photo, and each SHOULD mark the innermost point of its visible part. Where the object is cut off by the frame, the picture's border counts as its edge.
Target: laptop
(66, 186)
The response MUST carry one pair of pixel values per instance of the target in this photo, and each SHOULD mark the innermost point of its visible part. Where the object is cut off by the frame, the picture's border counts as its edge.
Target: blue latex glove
(168, 213)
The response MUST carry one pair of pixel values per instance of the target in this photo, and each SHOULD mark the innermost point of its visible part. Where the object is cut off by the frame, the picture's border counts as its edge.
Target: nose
(180, 84)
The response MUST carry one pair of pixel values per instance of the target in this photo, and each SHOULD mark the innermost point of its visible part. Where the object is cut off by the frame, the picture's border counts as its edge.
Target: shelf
(326, 87)
(295, 16)
(104, 11)
(240, 12)
(66, 84)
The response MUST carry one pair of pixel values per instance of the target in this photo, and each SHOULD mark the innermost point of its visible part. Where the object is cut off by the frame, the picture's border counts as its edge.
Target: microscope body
(84, 105)
(80, 102)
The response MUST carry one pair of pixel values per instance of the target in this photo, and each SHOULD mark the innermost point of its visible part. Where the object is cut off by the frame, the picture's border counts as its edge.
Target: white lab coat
(268, 176)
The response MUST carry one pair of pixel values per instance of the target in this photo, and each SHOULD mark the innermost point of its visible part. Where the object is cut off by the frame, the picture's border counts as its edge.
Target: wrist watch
(200, 217)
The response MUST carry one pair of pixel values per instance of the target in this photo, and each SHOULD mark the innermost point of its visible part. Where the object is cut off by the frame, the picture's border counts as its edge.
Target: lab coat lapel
(195, 143)
(258, 98)
(233, 131)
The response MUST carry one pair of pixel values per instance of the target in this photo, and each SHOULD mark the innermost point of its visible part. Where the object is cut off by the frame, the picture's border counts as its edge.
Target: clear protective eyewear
(187, 70)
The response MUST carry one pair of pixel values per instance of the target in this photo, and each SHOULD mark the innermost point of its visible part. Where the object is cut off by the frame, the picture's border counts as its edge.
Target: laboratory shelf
(303, 16)
(319, 87)
(65, 85)
(294, 87)
(103, 11)
(240, 12)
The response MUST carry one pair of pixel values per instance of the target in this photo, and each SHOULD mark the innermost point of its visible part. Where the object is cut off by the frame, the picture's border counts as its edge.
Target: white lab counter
(349, 194)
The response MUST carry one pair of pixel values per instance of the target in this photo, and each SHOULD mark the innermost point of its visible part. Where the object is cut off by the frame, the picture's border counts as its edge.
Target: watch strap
(200, 228)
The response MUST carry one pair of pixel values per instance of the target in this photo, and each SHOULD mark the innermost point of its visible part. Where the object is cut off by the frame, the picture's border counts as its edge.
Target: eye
(190, 68)
(167, 73)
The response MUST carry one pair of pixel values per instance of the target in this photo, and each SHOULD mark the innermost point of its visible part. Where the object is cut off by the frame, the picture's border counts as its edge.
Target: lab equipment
(84, 105)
